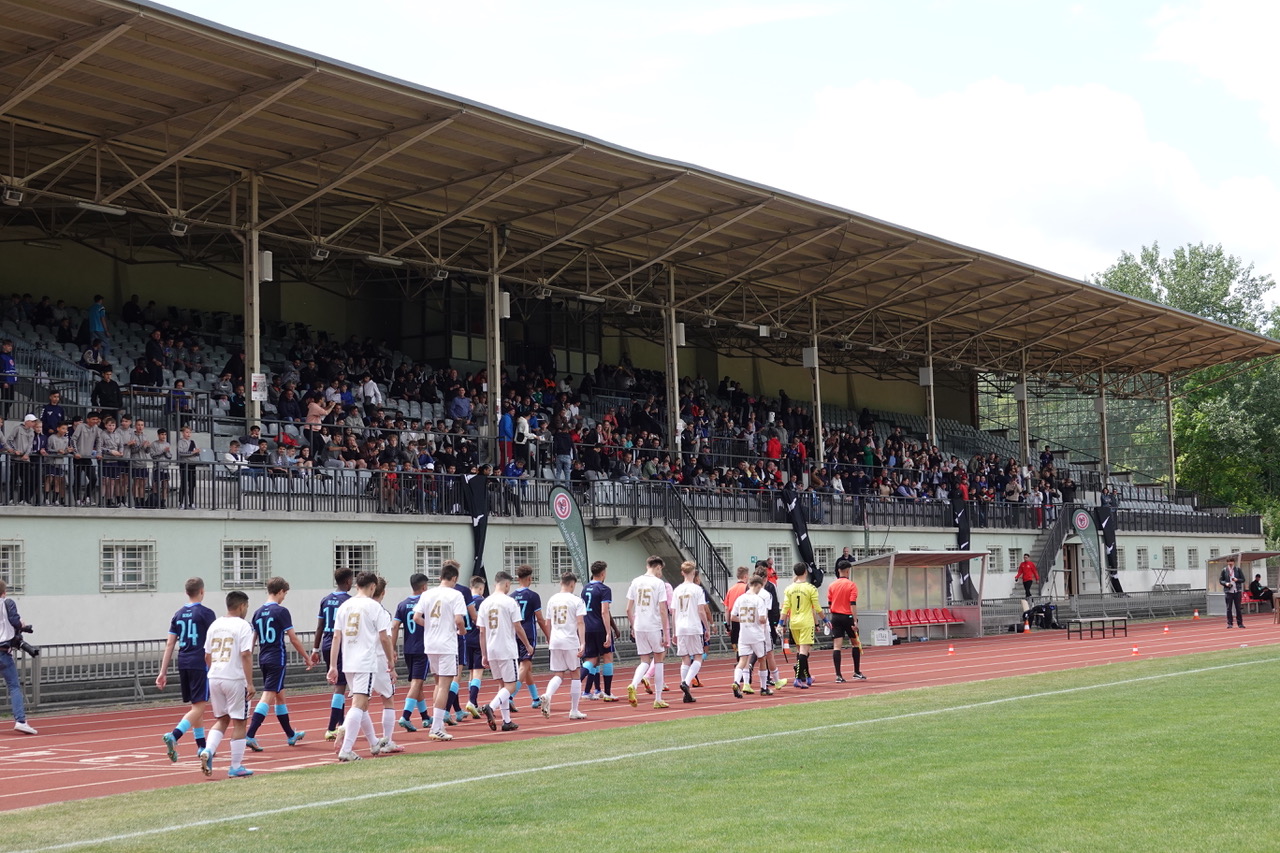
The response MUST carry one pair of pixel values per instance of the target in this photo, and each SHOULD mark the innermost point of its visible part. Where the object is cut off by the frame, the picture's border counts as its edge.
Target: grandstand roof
(131, 104)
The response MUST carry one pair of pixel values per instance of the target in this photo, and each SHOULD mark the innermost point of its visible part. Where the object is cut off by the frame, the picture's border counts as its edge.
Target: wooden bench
(1098, 624)
(924, 618)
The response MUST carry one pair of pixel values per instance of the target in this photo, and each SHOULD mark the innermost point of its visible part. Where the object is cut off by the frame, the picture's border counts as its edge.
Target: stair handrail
(680, 519)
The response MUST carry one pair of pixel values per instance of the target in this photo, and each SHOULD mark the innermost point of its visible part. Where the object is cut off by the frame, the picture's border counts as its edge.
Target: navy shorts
(471, 657)
(417, 665)
(272, 677)
(593, 644)
(525, 654)
(328, 662)
(195, 685)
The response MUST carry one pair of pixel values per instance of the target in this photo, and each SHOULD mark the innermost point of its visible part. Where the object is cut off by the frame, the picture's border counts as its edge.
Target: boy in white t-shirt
(693, 625)
(647, 613)
(360, 626)
(228, 653)
(566, 614)
(751, 612)
(441, 612)
(499, 621)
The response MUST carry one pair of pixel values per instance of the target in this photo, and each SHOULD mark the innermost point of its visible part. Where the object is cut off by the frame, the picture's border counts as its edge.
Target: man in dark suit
(1231, 580)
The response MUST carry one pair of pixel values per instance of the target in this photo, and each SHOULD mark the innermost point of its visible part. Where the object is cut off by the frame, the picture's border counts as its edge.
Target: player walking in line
(842, 598)
(598, 649)
(415, 659)
(273, 625)
(500, 626)
(361, 625)
(751, 614)
(384, 683)
(647, 613)
(801, 612)
(566, 613)
(323, 645)
(441, 613)
(228, 653)
(472, 657)
(693, 625)
(187, 632)
(531, 619)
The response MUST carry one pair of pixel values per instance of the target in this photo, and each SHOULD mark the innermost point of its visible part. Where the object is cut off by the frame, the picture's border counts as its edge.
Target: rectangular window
(357, 556)
(1170, 558)
(127, 565)
(783, 559)
(1193, 558)
(13, 564)
(561, 561)
(428, 557)
(996, 560)
(726, 554)
(1214, 553)
(1120, 563)
(516, 554)
(1144, 560)
(245, 565)
(1013, 559)
(825, 558)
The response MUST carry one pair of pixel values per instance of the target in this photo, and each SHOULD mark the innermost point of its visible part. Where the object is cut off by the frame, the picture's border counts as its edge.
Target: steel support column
(930, 410)
(493, 344)
(819, 445)
(1024, 415)
(1168, 421)
(252, 304)
(1102, 425)
(672, 359)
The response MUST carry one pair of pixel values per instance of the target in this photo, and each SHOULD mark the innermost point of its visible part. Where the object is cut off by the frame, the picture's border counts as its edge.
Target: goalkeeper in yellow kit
(801, 611)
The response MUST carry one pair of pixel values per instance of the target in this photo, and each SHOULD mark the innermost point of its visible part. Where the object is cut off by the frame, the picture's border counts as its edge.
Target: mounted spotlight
(846, 346)
(319, 253)
(12, 197)
(177, 228)
(903, 355)
(633, 308)
(708, 322)
(542, 293)
(779, 334)
(440, 275)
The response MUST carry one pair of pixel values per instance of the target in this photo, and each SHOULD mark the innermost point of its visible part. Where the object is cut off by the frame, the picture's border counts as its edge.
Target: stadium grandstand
(339, 293)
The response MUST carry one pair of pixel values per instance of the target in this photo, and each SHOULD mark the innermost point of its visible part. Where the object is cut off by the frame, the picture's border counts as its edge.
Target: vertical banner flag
(475, 499)
(800, 531)
(1107, 524)
(569, 519)
(960, 514)
(1082, 521)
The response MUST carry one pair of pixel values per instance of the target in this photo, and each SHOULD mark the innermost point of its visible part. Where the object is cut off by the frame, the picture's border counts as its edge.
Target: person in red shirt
(842, 597)
(1027, 574)
(730, 597)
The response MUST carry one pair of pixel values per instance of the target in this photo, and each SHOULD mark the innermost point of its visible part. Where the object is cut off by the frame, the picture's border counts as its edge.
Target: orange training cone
(1135, 650)
(786, 643)
(1195, 614)
(951, 650)
(1166, 629)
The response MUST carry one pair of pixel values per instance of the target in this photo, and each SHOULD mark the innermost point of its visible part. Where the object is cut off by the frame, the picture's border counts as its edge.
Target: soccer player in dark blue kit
(329, 605)
(598, 650)
(530, 618)
(415, 658)
(471, 658)
(187, 631)
(273, 625)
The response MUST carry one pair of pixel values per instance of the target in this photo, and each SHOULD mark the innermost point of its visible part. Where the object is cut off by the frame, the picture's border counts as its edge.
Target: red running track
(86, 755)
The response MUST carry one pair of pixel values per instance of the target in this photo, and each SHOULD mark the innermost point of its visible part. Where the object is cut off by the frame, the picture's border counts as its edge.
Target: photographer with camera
(11, 630)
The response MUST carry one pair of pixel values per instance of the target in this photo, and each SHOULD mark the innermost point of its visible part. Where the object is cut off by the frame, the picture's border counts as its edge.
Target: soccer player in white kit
(499, 621)
(228, 653)
(360, 627)
(693, 624)
(566, 613)
(751, 612)
(442, 614)
(647, 613)
(384, 685)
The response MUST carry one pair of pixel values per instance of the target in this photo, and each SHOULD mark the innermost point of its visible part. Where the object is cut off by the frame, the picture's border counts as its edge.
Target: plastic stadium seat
(920, 617)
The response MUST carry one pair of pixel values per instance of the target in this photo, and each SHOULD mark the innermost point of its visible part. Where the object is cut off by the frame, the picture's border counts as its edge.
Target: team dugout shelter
(1249, 563)
(906, 592)
(127, 124)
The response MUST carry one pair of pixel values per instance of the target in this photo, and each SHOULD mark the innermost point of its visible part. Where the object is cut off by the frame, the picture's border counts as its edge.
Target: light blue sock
(262, 708)
(606, 669)
(475, 682)
(533, 690)
(282, 710)
(516, 692)
(453, 687)
(422, 706)
(184, 726)
(338, 701)
(411, 704)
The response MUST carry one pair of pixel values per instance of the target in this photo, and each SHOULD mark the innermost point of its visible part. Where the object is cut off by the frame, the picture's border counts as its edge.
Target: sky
(1059, 134)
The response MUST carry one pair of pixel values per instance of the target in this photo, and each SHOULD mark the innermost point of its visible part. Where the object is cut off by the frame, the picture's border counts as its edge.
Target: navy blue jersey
(530, 605)
(190, 625)
(271, 622)
(473, 631)
(412, 630)
(596, 595)
(328, 608)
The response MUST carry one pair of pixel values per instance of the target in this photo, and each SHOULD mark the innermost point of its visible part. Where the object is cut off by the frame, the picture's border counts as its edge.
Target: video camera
(19, 644)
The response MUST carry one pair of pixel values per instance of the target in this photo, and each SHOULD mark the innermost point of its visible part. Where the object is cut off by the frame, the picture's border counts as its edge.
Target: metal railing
(999, 615)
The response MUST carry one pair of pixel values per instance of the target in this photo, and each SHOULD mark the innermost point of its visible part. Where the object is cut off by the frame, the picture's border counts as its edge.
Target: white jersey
(564, 609)
(362, 622)
(687, 603)
(438, 608)
(498, 615)
(229, 637)
(750, 608)
(649, 593)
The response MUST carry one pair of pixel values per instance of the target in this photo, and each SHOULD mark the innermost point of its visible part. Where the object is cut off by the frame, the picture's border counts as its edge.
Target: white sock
(437, 720)
(211, 742)
(553, 686)
(737, 675)
(657, 680)
(575, 693)
(694, 669)
(388, 722)
(684, 672)
(352, 725)
(237, 752)
(366, 728)
(501, 701)
(638, 676)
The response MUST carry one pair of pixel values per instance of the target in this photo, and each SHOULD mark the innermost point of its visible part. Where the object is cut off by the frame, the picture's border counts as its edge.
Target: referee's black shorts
(842, 626)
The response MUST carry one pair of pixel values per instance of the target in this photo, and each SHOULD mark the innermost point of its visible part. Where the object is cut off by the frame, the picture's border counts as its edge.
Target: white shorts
(689, 645)
(768, 640)
(649, 642)
(382, 684)
(503, 670)
(226, 699)
(746, 649)
(359, 683)
(446, 664)
(564, 660)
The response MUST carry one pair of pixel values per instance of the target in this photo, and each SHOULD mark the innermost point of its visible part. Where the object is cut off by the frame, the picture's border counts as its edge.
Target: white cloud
(1232, 42)
(705, 21)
